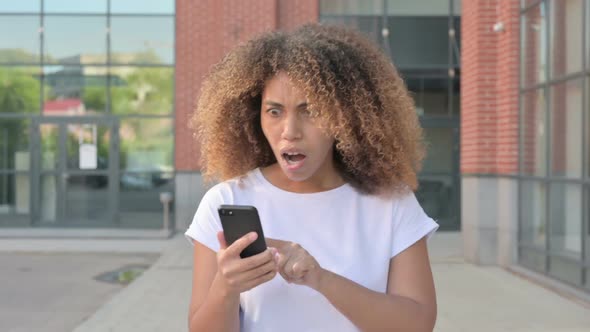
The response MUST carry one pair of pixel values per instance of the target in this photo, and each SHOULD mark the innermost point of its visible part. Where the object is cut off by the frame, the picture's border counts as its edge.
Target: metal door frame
(62, 172)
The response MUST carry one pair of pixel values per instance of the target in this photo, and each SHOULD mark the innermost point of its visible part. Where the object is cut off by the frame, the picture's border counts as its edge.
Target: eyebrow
(275, 104)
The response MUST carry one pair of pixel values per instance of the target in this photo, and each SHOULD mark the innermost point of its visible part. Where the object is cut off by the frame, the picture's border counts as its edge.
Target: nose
(291, 128)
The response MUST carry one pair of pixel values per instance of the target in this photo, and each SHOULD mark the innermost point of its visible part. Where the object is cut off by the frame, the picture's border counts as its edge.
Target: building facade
(95, 97)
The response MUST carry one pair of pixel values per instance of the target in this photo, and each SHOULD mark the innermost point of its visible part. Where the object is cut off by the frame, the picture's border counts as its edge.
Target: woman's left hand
(295, 264)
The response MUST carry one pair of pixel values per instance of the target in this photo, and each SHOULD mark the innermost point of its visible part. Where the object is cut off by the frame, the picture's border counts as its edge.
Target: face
(303, 151)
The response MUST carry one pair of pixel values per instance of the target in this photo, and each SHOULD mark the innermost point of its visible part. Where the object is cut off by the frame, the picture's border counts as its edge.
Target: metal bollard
(165, 199)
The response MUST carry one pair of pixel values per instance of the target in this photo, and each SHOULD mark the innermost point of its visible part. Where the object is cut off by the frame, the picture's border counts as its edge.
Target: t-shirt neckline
(272, 187)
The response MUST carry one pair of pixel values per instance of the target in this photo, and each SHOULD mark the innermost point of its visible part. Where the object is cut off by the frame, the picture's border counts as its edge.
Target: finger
(275, 242)
(255, 261)
(287, 270)
(221, 240)
(260, 280)
(300, 269)
(240, 244)
(257, 272)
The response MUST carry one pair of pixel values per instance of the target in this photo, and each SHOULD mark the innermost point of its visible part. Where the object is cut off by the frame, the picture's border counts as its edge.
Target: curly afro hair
(352, 87)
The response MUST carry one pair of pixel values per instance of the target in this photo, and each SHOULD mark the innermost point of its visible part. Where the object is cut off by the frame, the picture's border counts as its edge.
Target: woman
(315, 129)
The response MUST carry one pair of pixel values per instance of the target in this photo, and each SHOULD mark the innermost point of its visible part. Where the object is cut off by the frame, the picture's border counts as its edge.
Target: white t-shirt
(348, 233)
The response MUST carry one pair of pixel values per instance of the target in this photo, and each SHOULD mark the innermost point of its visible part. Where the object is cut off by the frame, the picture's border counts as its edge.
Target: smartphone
(239, 220)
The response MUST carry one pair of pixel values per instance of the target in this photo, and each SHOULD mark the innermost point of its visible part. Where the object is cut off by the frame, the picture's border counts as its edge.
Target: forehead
(281, 86)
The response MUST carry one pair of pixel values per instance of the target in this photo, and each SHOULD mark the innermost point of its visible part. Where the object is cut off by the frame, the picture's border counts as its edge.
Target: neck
(322, 180)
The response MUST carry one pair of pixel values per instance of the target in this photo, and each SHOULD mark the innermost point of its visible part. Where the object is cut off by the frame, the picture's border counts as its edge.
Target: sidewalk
(470, 298)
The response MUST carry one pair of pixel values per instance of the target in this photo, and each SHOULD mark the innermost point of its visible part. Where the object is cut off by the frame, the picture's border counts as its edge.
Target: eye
(274, 112)
(308, 113)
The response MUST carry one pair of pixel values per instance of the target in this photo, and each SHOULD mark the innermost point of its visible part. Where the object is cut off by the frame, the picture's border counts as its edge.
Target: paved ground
(55, 292)
(470, 298)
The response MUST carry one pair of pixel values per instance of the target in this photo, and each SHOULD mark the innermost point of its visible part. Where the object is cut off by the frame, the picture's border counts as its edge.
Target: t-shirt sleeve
(206, 223)
(410, 224)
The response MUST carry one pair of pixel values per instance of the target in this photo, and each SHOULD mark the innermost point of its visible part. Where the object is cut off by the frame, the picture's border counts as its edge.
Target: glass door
(75, 161)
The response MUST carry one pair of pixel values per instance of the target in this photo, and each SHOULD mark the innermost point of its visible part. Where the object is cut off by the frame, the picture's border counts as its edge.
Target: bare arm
(210, 310)
(408, 305)
(218, 280)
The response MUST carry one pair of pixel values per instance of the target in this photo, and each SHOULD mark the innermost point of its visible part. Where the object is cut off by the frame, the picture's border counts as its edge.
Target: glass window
(533, 215)
(566, 129)
(21, 6)
(142, 90)
(76, 6)
(14, 144)
(370, 26)
(419, 41)
(532, 259)
(147, 144)
(142, 7)
(86, 198)
(566, 37)
(84, 44)
(534, 134)
(142, 40)
(88, 133)
(22, 44)
(15, 193)
(422, 7)
(49, 137)
(568, 270)
(140, 205)
(587, 127)
(351, 7)
(431, 95)
(533, 62)
(19, 90)
(440, 145)
(565, 213)
(48, 198)
(437, 195)
(73, 90)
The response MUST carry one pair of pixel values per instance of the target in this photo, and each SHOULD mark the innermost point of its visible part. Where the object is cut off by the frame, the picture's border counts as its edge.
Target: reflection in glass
(142, 7)
(534, 133)
(437, 195)
(533, 219)
(439, 154)
(565, 213)
(19, 90)
(566, 36)
(566, 129)
(88, 146)
(87, 198)
(534, 60)
(84, 44)
(348, 7)
(49, 137)
(140, 198)
(20, 6)
(48, 195)
(142, 40)
(76, 6)
(567, 270)
(14, 144)
(146, 144)
(74, 90)
(14, 193)
(22, 44)
(531, 259)
(142, 90)
(431, 95)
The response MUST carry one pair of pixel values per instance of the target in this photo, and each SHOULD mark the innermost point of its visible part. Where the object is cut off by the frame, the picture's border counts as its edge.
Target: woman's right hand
(235, 274)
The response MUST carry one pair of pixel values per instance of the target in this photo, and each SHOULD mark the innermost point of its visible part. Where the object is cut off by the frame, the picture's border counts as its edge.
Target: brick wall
(208, 29)
(489, 87)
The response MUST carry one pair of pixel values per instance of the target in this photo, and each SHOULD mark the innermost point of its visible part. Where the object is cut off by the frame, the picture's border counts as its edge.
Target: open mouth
(293, 158)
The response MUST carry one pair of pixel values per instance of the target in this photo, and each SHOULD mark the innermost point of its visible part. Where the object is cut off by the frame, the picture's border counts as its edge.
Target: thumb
(221, 239)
